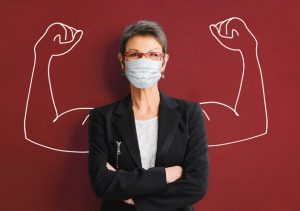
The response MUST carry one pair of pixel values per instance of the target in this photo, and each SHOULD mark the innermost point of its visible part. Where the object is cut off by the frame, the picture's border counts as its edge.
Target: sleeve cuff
(157, 178)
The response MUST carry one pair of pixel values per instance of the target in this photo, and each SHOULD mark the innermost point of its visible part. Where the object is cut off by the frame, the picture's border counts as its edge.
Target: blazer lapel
(168, 120)
(125, 125)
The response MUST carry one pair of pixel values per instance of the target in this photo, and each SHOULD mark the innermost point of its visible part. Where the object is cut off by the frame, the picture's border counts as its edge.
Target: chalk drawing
(224, 32)
(67, 39)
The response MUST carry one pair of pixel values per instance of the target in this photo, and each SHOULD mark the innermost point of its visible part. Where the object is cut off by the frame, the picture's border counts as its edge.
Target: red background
(261, 174)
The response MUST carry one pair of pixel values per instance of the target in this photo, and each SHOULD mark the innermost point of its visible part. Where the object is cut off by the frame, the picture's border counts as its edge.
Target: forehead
(143, 43)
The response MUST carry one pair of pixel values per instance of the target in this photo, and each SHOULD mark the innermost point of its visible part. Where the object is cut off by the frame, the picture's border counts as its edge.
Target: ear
(166, 58)
(121, 59)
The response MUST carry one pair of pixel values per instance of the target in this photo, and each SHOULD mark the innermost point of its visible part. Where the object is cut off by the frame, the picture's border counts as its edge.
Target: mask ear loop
(123, 63)
(163, 63)
(164, 60)
(123, 60)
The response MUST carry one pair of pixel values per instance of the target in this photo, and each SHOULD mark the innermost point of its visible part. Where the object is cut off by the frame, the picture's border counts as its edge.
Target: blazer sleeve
(121, 184)
(193, 184)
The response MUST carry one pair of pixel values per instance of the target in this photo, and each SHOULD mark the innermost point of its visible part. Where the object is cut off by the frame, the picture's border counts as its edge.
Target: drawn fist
(233, 34)
(59, 39)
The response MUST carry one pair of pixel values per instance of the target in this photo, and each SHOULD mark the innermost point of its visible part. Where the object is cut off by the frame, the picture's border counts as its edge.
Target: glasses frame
(140, 55)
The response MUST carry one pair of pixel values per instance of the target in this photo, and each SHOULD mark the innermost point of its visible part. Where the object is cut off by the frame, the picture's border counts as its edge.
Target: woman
(147, 151)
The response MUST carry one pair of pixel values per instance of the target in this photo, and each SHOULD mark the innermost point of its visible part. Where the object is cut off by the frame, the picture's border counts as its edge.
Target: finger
(59, 32)
(223, 40)
(214, 30)
(224, 28)
(219, 24)
(69, 45)
(219, 29)
(235, 26)
(74, 31)
(62, 37)
(77, 36)
(110, 167)
(68, 34)
(129, 201)
(230, 31)
(73, 34)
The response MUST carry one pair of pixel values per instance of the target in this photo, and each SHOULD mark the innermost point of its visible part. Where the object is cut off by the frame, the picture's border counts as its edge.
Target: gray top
(147, 133)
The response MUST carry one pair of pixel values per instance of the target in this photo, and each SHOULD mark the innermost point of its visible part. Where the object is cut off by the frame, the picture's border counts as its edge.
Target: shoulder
(185, 102)
(187, 106)
(105, 110)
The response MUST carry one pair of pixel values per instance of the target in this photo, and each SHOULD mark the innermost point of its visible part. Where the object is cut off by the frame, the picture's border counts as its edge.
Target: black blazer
(181, 141)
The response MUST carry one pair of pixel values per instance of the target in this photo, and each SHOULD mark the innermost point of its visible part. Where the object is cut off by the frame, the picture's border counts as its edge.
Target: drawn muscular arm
(43, 121)
(248, 113)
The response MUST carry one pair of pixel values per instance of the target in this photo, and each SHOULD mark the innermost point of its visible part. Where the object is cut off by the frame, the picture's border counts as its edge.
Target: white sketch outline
(75, 31)
(218, 26)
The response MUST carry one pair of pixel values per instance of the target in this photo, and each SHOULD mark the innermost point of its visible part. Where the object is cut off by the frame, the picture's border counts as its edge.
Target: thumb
(214, 30)
(78, 35)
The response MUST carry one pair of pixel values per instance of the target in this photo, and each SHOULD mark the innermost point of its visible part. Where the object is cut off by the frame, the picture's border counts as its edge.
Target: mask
(143, 73)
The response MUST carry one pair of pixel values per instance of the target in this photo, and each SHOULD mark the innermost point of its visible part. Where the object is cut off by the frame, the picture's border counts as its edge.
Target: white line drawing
(230, 34)
(69, 37)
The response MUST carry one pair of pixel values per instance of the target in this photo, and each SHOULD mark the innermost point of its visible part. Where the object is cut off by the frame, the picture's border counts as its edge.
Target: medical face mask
(143, 73)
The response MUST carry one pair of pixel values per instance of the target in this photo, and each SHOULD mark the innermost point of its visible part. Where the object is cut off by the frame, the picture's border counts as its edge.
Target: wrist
(167, 179)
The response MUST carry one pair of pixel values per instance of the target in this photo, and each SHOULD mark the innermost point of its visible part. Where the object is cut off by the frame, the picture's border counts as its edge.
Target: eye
(132, 54)
(155, 54)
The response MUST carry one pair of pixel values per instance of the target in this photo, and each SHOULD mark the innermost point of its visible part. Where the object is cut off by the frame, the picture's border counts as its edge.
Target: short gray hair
(144, 28)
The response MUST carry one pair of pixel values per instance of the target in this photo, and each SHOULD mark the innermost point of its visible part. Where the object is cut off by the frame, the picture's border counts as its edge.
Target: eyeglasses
(132, 55)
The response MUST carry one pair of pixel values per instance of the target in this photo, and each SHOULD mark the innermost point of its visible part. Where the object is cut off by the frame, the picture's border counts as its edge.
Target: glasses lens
(155, 55)
(150, 55)
(132, 55)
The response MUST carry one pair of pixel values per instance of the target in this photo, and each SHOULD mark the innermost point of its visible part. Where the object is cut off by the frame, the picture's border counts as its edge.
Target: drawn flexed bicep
(45, 124)
(228, 121)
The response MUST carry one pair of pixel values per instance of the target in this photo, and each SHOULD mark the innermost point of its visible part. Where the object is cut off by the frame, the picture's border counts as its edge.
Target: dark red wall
(261, 173)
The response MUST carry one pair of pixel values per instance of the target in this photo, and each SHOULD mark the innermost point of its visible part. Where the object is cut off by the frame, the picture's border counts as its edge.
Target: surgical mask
(143, 73)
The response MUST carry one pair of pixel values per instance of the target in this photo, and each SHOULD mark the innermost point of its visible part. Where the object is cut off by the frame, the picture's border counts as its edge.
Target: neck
(145, 101)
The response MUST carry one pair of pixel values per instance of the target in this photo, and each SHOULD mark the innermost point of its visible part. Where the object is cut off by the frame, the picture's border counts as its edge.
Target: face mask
(143, 73)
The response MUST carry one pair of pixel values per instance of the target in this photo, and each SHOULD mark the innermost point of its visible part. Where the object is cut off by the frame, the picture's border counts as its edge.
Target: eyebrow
(138, 50)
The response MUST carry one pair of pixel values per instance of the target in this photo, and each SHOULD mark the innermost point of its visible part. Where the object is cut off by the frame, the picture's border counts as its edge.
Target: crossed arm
(148, 189)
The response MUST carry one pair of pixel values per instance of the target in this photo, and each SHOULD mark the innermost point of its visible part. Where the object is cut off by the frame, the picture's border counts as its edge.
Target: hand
(233, 34)
(129, 201)
(110, 167)
(59, 39)
(173, 173)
